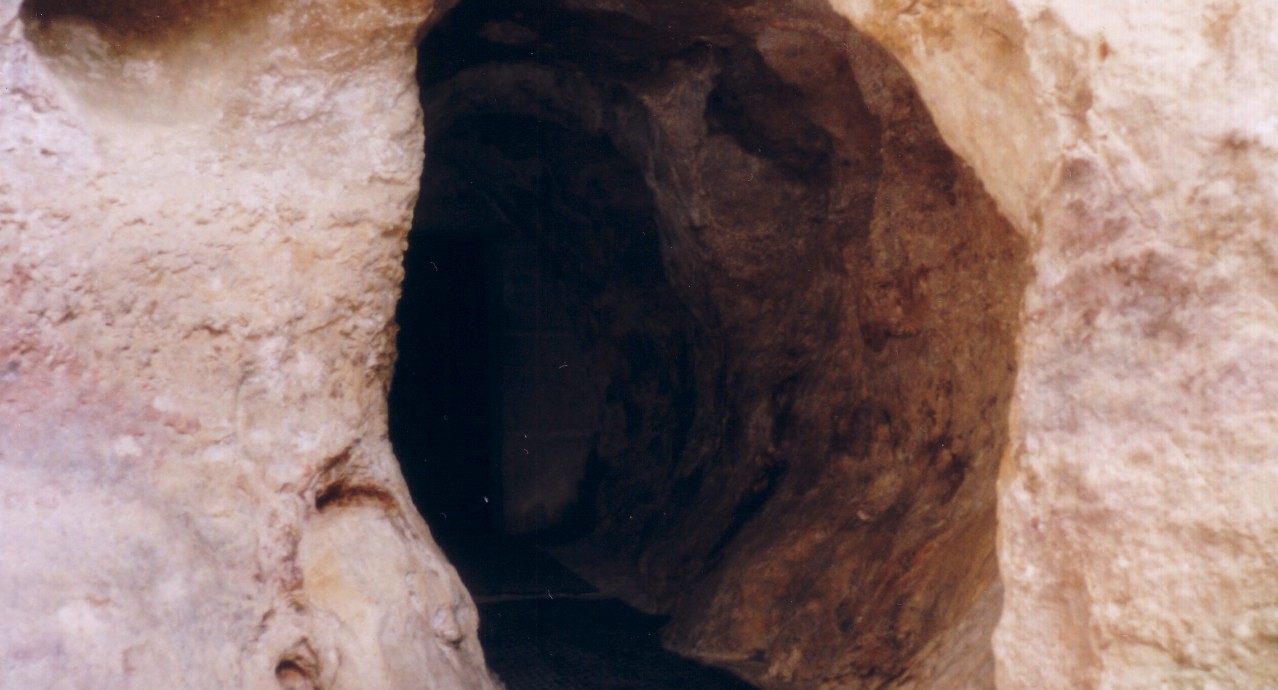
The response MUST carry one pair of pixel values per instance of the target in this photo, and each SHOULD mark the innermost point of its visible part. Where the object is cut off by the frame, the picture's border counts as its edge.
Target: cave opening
(514, 274)
(697, 296)
(699, 301)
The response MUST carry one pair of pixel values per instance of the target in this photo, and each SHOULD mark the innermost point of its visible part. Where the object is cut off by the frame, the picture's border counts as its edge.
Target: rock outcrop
(1136, 149)
(915, 325)
(202, 210)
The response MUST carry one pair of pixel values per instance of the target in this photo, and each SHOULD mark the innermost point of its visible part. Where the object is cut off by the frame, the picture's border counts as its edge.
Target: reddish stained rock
(199, 264)
(201, 216)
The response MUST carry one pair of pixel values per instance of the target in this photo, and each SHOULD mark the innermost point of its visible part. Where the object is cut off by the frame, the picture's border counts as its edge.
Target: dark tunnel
(707, 341)
(516, 273)
(700, 313)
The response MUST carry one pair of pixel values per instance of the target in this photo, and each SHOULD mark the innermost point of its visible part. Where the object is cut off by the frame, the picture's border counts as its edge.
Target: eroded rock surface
(820, 350)
(1136, 148)
(202, 209)
(802, 321)
(854, 300)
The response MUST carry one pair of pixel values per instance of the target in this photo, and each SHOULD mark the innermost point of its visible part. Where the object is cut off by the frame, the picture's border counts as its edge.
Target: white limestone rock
(1136, 145)
(201, 225)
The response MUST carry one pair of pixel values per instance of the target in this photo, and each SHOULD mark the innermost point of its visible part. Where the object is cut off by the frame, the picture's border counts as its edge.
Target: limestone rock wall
(202, 210)
(1135, 147)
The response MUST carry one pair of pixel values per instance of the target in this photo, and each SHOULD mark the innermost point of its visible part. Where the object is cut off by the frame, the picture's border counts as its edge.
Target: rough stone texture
(1137, 147)
(202, 210)
(803, 321)
(1131, 147)
(201, 213)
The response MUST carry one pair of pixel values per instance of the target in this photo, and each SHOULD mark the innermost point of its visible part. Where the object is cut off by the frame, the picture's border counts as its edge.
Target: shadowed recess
(131, 24)
(702, 299)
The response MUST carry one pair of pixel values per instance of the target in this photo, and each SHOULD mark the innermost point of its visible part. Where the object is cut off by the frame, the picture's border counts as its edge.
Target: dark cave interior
(700, 298)
(514, 273)
(697, 299)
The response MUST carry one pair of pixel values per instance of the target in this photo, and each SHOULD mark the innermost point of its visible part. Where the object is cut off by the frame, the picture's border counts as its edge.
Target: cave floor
(544, 628)
(593, 644)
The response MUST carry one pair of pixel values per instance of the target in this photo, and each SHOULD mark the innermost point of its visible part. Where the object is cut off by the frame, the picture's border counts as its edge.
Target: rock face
(202, 209)
(853, 315)
(1136, 149)
(912, 324)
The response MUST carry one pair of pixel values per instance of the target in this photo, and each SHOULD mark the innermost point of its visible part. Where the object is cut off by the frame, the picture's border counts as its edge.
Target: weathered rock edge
(1136, 147)
(202, 215)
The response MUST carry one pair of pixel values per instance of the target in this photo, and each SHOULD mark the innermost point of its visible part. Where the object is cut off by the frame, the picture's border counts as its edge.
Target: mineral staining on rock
(201, 219)
(1052, 264)
(1135, 149)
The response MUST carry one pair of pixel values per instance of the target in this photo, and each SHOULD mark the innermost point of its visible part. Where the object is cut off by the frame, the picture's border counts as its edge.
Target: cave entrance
(442, 412)
(541, 343)
(714, 306)
(531, 241)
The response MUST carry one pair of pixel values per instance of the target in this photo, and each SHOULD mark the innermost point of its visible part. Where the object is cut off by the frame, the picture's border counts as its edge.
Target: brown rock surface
(852, 308)
(807, 362)
(202, 207)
